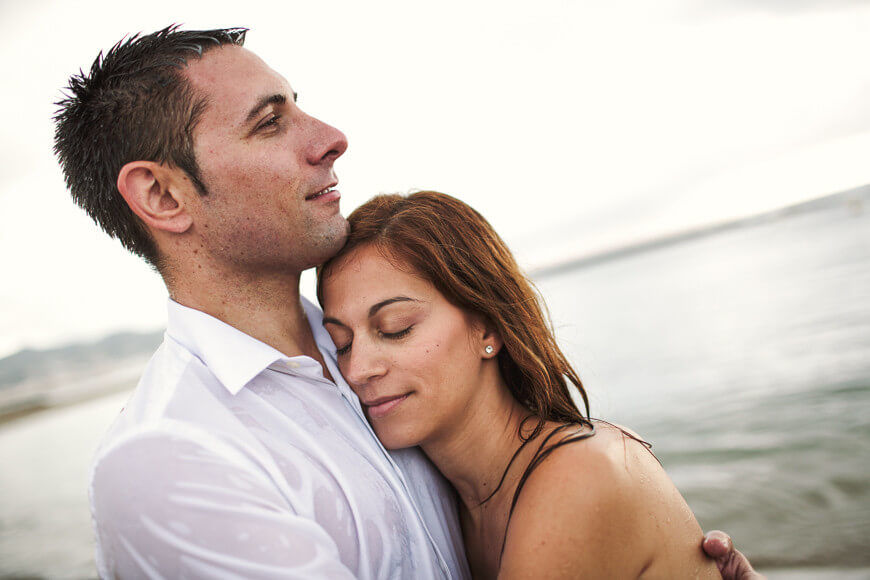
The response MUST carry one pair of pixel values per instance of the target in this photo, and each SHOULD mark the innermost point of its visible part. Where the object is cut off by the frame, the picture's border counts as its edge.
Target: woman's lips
(381, 407)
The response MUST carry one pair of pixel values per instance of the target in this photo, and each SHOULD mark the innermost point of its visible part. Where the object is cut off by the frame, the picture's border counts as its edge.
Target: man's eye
(343, 350)
(270, 122)
(397, 335)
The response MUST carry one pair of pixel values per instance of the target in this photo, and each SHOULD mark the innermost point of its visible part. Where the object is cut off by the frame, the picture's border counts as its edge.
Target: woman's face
(413, 359)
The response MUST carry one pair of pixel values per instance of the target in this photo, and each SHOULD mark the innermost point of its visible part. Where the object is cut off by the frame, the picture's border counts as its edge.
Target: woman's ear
(151, 192)
(491, 340)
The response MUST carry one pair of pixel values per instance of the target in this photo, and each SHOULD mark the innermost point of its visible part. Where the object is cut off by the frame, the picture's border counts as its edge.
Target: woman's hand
(732, 564)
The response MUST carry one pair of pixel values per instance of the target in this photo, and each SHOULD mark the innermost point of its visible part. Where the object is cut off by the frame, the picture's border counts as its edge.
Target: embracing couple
(422, 425)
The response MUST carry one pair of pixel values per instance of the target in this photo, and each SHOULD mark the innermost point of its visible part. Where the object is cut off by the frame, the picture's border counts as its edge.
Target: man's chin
(332, 244)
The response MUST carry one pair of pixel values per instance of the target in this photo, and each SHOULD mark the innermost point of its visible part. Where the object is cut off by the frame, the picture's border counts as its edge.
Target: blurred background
(685, 180)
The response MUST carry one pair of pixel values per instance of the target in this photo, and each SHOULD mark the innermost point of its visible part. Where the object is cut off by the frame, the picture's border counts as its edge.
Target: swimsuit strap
(541, 454)
(506, 469)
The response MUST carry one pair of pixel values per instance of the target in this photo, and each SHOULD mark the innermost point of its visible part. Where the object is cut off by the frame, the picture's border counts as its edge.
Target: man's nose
(328, 144)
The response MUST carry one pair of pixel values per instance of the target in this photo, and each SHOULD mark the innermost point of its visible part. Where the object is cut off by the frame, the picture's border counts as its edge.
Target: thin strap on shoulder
(631, 435)
(542, 454)
(511, 462)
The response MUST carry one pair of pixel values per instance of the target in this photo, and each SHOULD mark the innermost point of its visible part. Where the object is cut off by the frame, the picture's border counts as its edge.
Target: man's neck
(268, 308)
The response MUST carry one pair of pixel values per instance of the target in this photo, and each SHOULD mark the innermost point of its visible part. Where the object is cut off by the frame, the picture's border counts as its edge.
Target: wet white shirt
(232, 460)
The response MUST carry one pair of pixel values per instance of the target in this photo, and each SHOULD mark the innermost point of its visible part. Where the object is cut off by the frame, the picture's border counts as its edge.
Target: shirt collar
(234, 357)
(315, 320)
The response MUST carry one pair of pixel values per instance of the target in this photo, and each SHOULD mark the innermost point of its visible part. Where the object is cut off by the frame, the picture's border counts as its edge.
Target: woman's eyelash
(396, 335)
(339, 351)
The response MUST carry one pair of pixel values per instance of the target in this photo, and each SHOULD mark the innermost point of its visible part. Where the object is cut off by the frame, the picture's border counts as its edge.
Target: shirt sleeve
(167, 507)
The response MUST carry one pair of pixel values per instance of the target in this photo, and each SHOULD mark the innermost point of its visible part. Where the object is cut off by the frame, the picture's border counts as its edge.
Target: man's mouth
(321, 193)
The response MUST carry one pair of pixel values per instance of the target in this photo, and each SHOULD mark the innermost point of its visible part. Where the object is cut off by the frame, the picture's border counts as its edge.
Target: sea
(742, 353)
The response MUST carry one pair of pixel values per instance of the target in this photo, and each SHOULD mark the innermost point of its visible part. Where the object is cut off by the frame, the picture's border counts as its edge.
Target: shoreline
(81, 386)
(14, 414)
(853, 200)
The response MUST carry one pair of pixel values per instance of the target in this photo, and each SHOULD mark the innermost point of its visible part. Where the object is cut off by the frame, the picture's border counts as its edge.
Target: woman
(446, 344)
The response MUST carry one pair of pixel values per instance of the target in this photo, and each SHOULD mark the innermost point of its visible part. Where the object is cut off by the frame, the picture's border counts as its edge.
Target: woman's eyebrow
(374, 309)
(329, 320)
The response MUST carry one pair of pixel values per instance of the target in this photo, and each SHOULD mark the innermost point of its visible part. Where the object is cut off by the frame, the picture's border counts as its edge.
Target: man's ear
(155, 194)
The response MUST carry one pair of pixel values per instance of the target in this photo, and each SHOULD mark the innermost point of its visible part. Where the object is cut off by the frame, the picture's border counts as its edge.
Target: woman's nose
(364, 364)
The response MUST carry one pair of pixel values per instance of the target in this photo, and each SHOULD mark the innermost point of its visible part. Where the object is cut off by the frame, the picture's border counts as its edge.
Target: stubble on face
(260, 171)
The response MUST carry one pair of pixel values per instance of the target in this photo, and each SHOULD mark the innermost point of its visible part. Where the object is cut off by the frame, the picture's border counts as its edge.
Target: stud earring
(489, 349)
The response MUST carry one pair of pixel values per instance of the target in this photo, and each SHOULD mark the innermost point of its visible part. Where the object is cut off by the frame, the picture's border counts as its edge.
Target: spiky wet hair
(134, 105)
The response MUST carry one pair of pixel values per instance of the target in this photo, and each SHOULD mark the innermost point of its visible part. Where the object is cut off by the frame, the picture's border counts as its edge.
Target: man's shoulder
(169, 368)
(174, 388)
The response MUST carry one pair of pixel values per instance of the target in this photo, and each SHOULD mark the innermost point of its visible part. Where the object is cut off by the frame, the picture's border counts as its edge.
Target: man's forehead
(234, 76)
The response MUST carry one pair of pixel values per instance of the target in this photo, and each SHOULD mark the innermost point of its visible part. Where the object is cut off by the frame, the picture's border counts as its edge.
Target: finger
(718, 545)
(739, 568)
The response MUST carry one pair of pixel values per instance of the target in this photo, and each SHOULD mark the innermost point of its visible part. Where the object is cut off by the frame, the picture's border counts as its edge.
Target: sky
(572, 125)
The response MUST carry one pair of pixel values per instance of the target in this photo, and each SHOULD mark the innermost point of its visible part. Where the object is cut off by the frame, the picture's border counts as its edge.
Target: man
(242, 453)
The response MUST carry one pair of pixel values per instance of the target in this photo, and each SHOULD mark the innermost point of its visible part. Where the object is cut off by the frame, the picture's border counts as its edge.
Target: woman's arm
(603, 508)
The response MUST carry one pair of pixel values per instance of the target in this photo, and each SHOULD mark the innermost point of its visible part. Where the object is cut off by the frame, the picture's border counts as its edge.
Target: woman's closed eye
(343, 350)
(396, 335)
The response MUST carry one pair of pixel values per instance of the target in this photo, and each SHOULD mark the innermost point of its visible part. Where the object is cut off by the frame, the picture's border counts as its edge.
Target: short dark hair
(133, 105)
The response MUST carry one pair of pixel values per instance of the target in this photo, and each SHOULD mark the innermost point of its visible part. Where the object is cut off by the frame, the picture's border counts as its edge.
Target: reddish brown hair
(455, 249)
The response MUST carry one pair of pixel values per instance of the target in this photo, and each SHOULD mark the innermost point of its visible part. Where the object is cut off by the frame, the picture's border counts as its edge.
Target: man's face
(265, 165)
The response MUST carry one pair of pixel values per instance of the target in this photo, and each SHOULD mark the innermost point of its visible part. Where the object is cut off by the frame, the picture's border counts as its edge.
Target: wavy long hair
(455, 249)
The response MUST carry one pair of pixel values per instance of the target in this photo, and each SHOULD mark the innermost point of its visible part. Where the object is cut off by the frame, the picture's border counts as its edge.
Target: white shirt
(232, 460)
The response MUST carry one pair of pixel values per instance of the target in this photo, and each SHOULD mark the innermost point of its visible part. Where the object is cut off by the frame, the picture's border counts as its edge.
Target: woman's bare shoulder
(586, 510)
(582, 494)
(611, 456)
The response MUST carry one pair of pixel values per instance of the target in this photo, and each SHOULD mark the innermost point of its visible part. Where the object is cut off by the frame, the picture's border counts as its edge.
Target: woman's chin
(393, 440)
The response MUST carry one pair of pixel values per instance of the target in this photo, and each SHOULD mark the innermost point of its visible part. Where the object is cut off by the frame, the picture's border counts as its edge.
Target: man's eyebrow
(276, 99)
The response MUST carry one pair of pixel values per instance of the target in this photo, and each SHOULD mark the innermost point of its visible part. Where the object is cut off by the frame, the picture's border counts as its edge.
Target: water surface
(743, 356)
